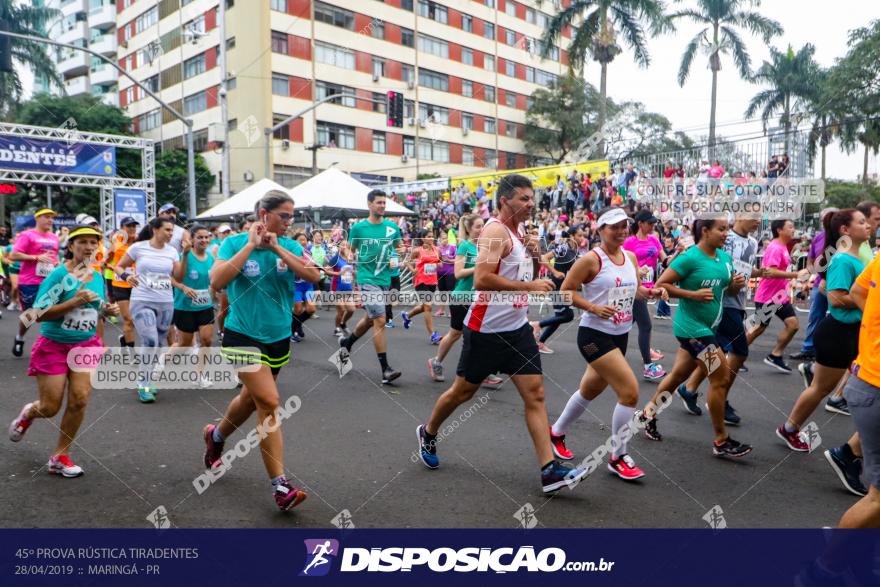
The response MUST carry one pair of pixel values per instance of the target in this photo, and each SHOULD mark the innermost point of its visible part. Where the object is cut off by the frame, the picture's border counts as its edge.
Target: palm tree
(597, 34)
(791, 77)
(720, 37)
(25, 19)
(826, 119)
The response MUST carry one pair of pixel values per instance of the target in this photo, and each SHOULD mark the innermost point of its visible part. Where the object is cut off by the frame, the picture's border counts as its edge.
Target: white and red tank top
(614, 285)
(495, 317)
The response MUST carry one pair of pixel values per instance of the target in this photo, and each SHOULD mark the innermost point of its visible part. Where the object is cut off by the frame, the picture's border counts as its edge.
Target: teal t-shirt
(80, 323)
(468, 250)
(696, 319)
(842, 273)
(374, 244)
(260, 297)
(197, 277)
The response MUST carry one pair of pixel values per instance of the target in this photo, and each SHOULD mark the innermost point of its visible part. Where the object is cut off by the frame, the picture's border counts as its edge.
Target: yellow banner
(541, 176)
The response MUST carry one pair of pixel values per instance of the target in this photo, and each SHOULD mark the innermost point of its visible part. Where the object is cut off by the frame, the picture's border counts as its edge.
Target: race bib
(281, 266)
(743, 268)
(525, 270)
(203, 298)
(82, 319)
(430, 268)
(44, 269)
(647, 274)
(157, 281)
(346, 277)
(622, 298)
(393, 262)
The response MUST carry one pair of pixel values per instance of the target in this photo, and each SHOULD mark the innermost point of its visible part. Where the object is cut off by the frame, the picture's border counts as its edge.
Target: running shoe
(337, 332)
(439, 313)
(543, 348)
(777, 363)
(389, 375)
(20, 425)
(803, 356)
(654, 372)
(730, 416)
(295, 337)
(689, 399)
(656, 355)
(435, 369)
(848, 470)
(406, 320)
(390, 324)
(62, 465)
(427, 449)
(730, 448)
(650, 425)
(557, 476)
(806, 371)
(18, 348)
(213, 449)
(435, 338)
(11, 306)
(345, 331)
(837, 405)
(204, 381)
(625, 468)
(287, 496)
(792, 439)
(559, 448)
(492, 381)
(743, 369)
(146, 395)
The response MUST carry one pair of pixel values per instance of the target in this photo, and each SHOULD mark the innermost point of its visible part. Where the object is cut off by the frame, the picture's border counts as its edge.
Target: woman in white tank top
(608, 280)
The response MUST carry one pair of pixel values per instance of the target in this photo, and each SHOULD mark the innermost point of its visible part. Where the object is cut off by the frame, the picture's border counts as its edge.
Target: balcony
(74, 64)
(102, 17)
(69, 7)
(104, 44)
(75, 32)
(77, 85)
(103, 75)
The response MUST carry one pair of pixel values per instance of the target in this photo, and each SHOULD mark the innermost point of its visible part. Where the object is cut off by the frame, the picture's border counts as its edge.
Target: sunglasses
(285, 216)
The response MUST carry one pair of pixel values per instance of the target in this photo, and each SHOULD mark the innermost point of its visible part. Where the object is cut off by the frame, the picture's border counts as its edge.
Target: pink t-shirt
(777, 257)
(32, 242)
(648, 253)
(716, 171)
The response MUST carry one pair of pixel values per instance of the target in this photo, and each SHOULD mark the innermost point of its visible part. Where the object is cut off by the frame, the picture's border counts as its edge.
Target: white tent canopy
(241, 203)
(333, 192)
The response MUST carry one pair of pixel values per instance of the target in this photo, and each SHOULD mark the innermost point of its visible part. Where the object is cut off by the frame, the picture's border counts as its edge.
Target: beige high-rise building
(467, 69)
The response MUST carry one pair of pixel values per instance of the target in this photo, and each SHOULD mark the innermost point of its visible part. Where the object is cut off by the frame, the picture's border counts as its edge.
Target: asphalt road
(351, 446)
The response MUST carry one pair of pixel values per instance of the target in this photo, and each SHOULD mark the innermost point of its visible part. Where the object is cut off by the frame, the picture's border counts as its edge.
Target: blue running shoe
(435, 337)
(406, 320)
(689, 399)
(848, 470)
(427, 449)
(295, 337)
(389, 324)
(730, 415)
(557, 476)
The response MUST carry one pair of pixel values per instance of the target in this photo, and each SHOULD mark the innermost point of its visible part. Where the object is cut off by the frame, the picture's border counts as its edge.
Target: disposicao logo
(320, 553)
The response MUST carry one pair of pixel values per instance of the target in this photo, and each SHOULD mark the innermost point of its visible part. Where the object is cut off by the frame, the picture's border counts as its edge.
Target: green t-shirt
(696, 319)
(260, 296)
(374, 244)
(198, 279)
(842, 273)
(468, 250)
(79, 324)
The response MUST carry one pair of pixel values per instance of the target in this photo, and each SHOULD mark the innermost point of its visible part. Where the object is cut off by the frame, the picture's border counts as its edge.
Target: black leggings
(643, 319)
(563, 315)
(395, 285)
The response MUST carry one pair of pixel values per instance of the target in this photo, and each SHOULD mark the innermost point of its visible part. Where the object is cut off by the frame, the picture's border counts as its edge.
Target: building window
(489, 93)
(152, 83)
(510, 68)
(325, 89)
(279, 5)
(544, 78)
(335, 136)
(407, 37)
(146, 20)
(489, 62)
(531, 15)
(467, 89)
(200, 140)
(407, 73)
(409, 146)
(130, 94)
(195, 103)
(409, 109)
(378, 67)
(433, 80)
(379, 142)
(467, 56)
(543, 20)
(467, 156)
(334, 55)
(434, 151)
(467, 121)
(511, 160)
(510, 38)
(334, 15)
(530, 74)
(282, 133)
(510, 129)
(150, 120)
(491, 158)
(489, 30)
(510, 99)
(467, 23)
(489, 125)
(406, 5)
(197, 24)
(510, 8)
(434, 46)
(280, 85)
(379, 104)
(433, 11)
(377, 29)
(434, 114)
(193, 67)
(279, 42)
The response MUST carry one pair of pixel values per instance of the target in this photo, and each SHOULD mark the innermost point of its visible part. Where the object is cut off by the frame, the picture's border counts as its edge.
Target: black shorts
(423, 288)
(836, 342)
(121, 294)
(594, 343)
(783, 312)
(445, 282)
(240, 348)
(696, 345)
(731, 333)
(190, 321)
(457, 314)
(484, 353)
(27, 294)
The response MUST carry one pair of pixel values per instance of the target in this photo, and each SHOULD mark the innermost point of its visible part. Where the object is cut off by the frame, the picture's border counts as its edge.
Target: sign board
(129, 203)
(58, 156)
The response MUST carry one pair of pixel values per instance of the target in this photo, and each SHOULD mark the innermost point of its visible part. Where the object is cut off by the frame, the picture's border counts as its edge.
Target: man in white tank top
(498, 337)
(180, 234)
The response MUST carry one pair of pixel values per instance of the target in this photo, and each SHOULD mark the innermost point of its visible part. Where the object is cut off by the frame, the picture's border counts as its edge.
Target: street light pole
(224, 105)
(191, 171)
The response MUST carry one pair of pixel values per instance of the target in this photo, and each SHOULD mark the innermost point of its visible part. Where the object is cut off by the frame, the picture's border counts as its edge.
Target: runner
(120, 288)
(317, 250)
(373, 241)
(258, 269)
(498, 336)
(446, 270)
(69, 301)
(423, 262)
(303, 297)
(193, 303)
(731, 333)
(564, 252)
(702, 274)
(152, 297)
(341, 271)
(223, 232)
(469, 228)
(772, 292)
(610, 282)
(180, 234)
(37, 249)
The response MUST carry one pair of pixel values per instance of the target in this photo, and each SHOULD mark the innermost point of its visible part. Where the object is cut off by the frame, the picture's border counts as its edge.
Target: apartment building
(467, 69)
(83, 23)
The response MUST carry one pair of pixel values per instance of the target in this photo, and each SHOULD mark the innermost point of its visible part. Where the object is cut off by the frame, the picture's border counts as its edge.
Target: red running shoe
(287, 496)
(792, 439)
(20, 425)
(625, 468)
(213, 450)
(559, 448)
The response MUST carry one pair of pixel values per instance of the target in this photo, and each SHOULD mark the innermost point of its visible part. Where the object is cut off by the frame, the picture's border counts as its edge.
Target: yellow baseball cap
(45, 211)
(85, 231)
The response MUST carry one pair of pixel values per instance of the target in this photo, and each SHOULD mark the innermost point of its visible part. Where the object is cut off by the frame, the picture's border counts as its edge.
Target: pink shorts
(49, 357)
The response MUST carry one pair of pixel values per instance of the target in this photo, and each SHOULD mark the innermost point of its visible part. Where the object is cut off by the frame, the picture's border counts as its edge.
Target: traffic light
(394, 108)
(5, 49)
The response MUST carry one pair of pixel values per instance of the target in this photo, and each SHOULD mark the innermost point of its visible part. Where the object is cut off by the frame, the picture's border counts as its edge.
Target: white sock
(573, 409)
(621, 416)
